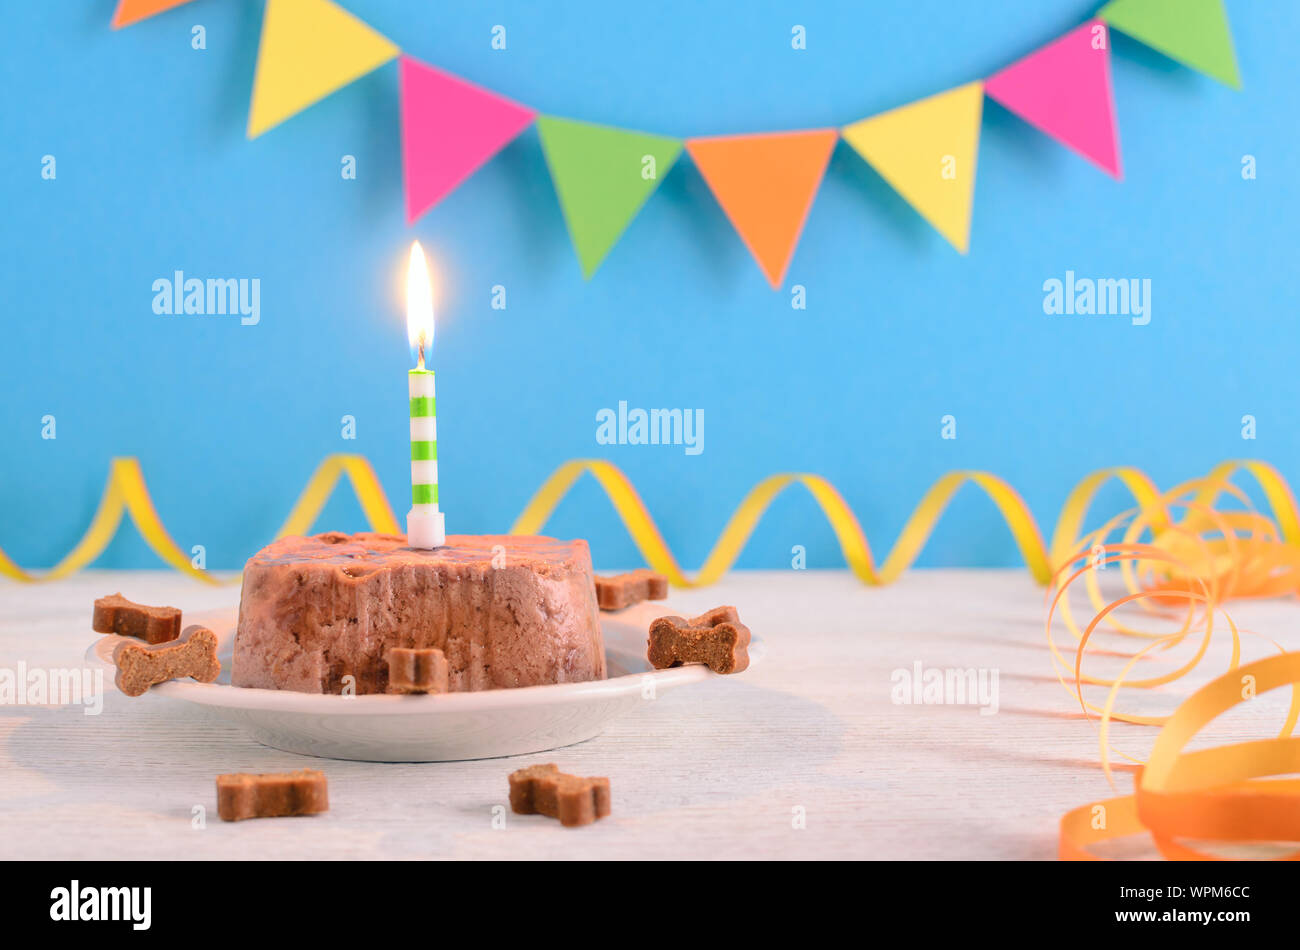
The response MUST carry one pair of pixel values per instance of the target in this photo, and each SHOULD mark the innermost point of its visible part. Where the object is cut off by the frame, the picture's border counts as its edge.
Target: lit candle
(425, 526)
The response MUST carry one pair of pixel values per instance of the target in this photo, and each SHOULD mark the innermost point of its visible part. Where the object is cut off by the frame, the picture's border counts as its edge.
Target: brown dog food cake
(504, 610)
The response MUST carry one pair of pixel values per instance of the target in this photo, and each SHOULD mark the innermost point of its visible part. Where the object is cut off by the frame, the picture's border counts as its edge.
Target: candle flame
(419, 301)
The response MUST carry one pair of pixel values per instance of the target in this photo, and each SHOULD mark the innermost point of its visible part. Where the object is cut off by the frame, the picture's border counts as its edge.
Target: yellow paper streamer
(853, 541)
(126, 492)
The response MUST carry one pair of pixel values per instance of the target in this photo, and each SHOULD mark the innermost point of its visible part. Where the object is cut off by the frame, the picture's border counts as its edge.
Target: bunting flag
(309, 49)
(766, 184)
(603, 176)
(1064, 89)
(927, 151)
(1194, 32)
(450, 128)
(133, 11)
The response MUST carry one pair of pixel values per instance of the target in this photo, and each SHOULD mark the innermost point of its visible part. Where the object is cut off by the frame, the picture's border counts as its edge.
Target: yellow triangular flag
(927, 151)
(309, 49)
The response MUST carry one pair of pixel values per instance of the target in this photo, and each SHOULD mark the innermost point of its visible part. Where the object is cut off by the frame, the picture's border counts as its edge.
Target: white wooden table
(717, 770)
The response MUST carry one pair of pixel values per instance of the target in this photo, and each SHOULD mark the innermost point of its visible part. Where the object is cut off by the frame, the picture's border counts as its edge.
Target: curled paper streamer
(126, 493)
(1039, 559)
(126, 487)
(1218, 794)
(853, 541)
(1181, 570)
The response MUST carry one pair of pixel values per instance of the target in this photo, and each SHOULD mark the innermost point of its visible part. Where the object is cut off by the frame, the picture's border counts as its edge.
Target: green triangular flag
(603, 176)
(1194, 32)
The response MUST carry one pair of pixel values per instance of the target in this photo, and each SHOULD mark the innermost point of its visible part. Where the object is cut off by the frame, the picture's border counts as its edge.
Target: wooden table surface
(722, 769)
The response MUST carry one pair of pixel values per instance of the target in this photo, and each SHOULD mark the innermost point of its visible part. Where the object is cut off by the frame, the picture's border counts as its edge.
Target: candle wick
(420, 359)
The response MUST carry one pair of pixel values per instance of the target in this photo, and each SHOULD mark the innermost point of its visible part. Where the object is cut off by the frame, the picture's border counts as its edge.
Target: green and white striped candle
(425, 526)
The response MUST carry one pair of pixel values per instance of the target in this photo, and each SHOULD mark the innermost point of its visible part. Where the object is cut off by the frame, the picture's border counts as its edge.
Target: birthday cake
(505, 610)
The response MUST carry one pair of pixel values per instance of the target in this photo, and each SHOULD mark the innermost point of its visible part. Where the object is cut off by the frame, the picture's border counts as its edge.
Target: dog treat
(272, 795)
(545, 790)
(116, 614)
(624, 590)
(717, 639)
(194, 654)
(417, 671)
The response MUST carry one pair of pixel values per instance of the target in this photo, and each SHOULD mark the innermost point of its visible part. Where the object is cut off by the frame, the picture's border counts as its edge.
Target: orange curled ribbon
(1217, 794)
(1183, 571)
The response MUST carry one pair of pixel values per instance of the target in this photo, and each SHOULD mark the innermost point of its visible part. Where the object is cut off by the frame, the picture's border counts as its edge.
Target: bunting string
(765, 183)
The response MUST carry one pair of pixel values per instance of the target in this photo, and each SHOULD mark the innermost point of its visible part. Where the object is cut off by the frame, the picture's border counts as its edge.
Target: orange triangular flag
(133, 11)
(766, 184)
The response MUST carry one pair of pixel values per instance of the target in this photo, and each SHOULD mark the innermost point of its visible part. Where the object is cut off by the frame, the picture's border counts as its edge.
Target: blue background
(155, 175)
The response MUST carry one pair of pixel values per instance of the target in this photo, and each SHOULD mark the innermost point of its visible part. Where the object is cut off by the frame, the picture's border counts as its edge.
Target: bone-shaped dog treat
(716, 638)
(624, 590)
(194, 654)
(272, 795)
(416, 671)
(116, 614)
(545, 790)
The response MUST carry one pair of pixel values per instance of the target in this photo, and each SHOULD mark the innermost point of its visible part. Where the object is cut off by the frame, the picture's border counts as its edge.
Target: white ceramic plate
(481, 725)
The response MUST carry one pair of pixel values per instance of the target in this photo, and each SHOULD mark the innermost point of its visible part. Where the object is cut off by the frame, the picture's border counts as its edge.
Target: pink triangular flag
(449, 128)
(1064, 89)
